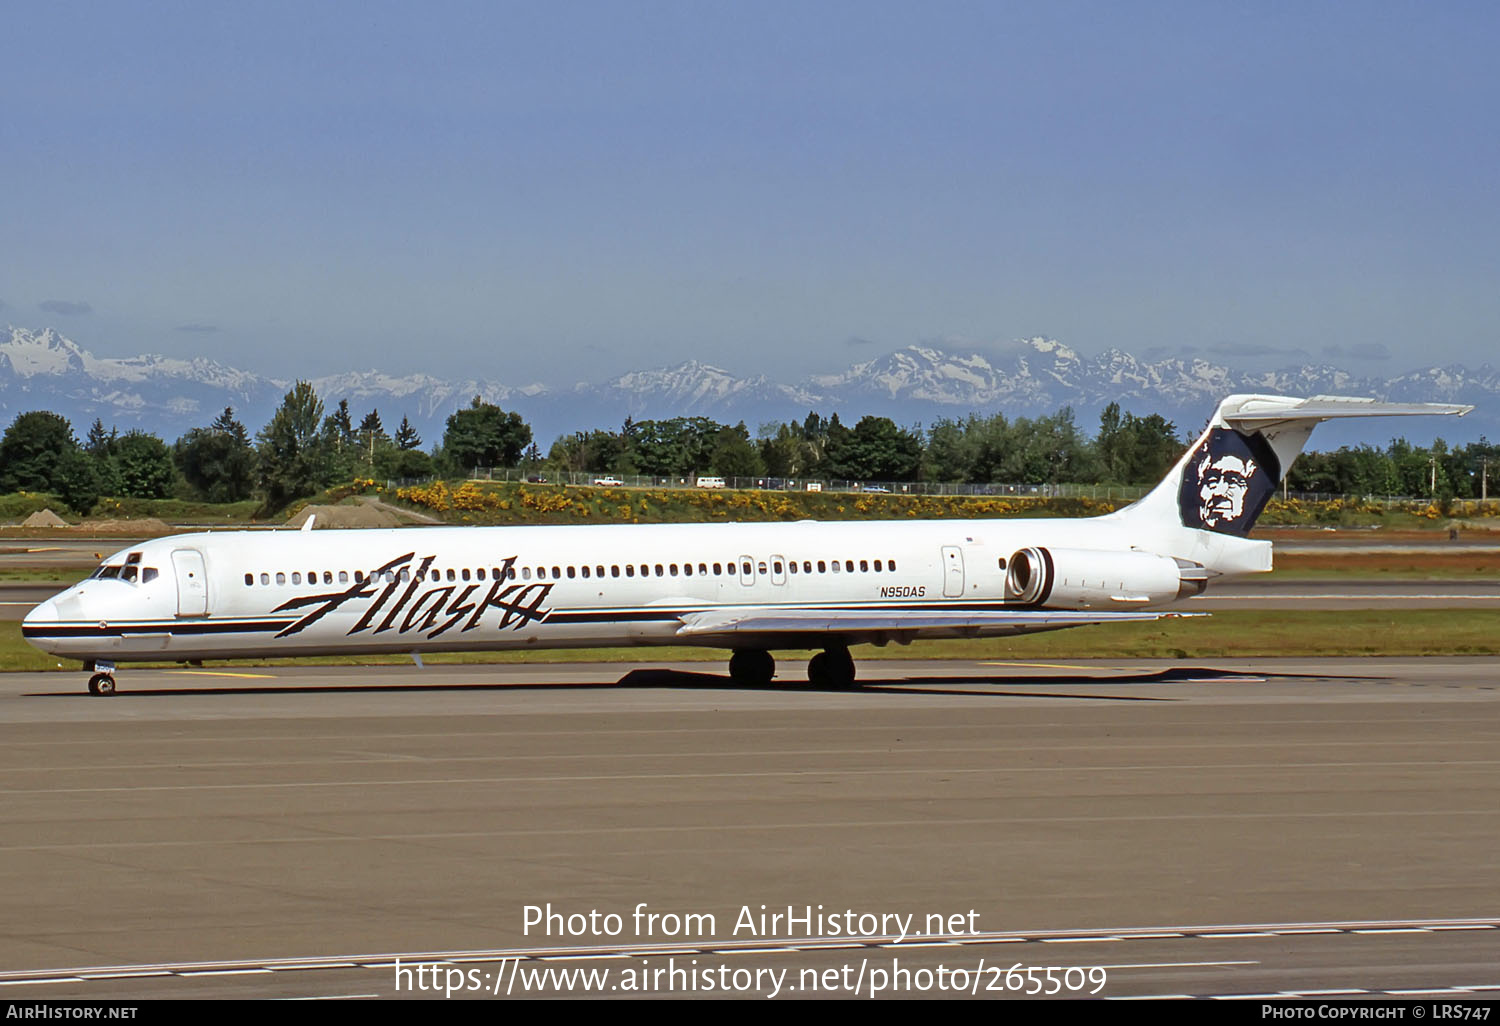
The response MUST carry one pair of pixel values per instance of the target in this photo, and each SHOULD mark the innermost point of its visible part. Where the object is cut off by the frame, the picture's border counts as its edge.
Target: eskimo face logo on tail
(1228, 481)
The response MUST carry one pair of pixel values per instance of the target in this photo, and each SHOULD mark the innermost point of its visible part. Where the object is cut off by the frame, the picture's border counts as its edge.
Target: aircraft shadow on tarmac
(992, 685)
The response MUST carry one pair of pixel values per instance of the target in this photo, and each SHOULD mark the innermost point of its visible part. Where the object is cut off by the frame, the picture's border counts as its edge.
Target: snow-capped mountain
(918, 384)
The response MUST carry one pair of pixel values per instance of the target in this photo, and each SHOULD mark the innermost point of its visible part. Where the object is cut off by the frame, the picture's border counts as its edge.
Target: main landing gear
(831, 668)
(103, 680)
(752, 667)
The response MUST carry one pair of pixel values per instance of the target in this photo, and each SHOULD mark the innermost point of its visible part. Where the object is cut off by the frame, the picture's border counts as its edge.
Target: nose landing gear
(103, 680)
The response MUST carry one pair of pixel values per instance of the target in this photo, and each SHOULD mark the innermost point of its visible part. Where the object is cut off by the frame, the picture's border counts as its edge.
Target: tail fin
(1223, 482)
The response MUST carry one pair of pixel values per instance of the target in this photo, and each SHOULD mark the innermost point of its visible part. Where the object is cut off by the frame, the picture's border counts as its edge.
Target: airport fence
(1097, 492)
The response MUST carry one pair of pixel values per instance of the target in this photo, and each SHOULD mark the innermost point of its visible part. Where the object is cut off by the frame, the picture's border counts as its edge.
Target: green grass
(1230, 635)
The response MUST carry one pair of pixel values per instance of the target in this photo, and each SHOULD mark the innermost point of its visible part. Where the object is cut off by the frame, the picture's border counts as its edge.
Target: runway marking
(1048, 666)
(721, 828)
(222, 673)
(774, 945)
(796, 774)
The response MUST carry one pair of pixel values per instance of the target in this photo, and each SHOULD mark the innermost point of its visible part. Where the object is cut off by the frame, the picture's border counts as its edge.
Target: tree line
(306, 448)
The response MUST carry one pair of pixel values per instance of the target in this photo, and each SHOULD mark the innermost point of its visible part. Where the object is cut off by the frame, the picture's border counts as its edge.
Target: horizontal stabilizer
(1261, 411)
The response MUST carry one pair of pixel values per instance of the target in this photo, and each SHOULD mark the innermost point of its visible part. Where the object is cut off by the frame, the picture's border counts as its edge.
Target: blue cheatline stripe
(556, 616)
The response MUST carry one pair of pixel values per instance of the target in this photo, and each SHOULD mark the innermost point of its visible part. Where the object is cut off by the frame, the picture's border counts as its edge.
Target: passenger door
(953, 571)
(192, 582)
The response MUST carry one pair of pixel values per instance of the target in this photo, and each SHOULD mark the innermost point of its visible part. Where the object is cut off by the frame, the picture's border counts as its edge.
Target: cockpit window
(131, 573)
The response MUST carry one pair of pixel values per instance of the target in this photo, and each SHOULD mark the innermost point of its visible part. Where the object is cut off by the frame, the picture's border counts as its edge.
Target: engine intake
(1098, 579)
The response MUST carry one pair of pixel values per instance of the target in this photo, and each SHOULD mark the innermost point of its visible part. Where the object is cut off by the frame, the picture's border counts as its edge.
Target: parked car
(608, 482)
(537, 479)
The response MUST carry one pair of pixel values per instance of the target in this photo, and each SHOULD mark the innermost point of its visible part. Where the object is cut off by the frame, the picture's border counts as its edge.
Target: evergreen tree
(218, 461)
(292, 456)
(407, 437)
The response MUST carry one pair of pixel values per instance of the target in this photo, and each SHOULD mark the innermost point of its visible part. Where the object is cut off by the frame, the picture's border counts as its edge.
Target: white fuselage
(267, 593)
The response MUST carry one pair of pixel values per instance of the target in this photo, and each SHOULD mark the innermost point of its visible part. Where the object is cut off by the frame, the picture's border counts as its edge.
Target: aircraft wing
(807, 625)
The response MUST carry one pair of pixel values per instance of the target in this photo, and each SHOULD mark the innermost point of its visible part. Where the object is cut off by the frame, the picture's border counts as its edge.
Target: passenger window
(265, 578)
(280, 577)
(807, 566)
(614, 570)
(359, 577)
(877, 566)
(687, 569)
(864, 566)
(343, 577)
(892, 564)
(792, 566)
(451, 575)
(673, 569)
(822, 567)
(718, 570)
(571, 573)
(836, 567)
(849, 565)
(465, 573)
(659, 571)
(327, 576)
(249, 580)
(776, 566)
(599, 571)
(296, 577)
(762, 568)
(525, 573)
(584, 570)
(557, 573)
(702, 569)
(629, 569)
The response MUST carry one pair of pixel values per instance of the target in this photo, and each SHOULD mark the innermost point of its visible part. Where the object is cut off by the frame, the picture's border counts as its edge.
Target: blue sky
(563, 191)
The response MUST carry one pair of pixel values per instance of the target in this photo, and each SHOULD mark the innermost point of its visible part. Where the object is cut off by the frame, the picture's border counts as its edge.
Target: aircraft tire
(752, 667)
(101, 684)
(838, 667)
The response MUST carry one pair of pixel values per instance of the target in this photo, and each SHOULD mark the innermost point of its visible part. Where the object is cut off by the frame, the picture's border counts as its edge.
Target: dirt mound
(344, 516)
(44, 518)
(143, 526)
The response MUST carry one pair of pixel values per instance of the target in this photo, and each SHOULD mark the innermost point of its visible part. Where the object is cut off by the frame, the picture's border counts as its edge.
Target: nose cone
(42, 615)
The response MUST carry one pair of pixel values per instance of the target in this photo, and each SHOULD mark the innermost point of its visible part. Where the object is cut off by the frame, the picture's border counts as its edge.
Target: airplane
(748, 588)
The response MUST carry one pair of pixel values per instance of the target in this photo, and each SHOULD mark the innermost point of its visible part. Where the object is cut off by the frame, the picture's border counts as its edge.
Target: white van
(815, 486)
(710, 482)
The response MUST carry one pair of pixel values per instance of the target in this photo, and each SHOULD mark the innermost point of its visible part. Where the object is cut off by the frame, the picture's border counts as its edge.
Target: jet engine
(1097, 579)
